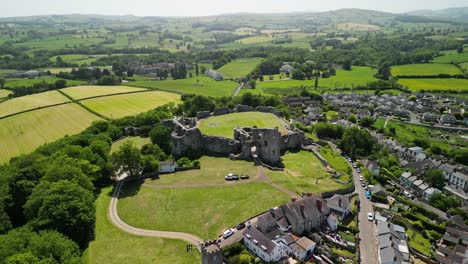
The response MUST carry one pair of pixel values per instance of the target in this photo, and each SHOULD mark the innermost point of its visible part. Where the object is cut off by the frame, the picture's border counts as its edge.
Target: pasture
(4, 93)
(224, 125)
(337, 162)
(239, 67)
(77, 58)
(464, 66)
(117, 106)
(426, 69)
(198, 85)
(434, 84)
(82, 92)
(204, 211)
(452, 56)
(33, 101)
(23, 133)
(114, 246)
(139, 142)
(12, 83)
(254, 40)
(303, 173)
(212, 171)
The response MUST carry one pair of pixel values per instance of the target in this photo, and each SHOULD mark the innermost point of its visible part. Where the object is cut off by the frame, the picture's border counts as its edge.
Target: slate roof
(254, 234)
(305, 243)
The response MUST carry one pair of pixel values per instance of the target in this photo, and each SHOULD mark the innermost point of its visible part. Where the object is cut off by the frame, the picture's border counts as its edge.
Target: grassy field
(77, 58)
(81, 92)
(33, 101)
(452, 56)
(343, 79)
(4, 93)
(12, 83)
(337, 162)
(417, 241)
(23, 133)
(303, 173)
(113, 246)
(427, 69)
(213, 170)
(435, 84)
(117, 106)
(239, 67)
(205, 86)
(464, 66)
(224, 125)
(254, 39)
(205, 211)
(137, 141)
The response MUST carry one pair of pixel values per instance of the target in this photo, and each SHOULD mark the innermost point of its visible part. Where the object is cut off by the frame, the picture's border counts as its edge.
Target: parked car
(368, 195)
(231, 177)
(363, 184)
(370, 216)
(358, 170)
(240, 226)
(244, 177)
(361, 178)
(228, 233)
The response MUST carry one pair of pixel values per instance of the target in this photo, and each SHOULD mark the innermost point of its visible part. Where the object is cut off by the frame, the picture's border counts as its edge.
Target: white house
(447, 170)
(429, 192)
(340, 205)
(459, 180)
(261, 246)
(167, 166)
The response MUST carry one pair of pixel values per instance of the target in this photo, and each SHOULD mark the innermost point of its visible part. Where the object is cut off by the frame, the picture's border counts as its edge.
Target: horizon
(206, 8)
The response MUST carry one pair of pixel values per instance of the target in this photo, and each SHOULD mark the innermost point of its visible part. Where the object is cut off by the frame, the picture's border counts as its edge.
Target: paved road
(367, 230)
(115, 219)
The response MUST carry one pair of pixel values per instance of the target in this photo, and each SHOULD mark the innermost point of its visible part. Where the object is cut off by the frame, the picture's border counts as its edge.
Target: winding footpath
(115, 220)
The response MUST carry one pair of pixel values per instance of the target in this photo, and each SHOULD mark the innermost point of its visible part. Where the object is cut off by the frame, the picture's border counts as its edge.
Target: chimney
(302, 209)
(272, 212)
(339, 202)
(318, 202)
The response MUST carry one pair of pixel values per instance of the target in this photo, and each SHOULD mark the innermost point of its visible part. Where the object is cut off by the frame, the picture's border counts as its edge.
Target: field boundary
(83, 106)
(107, 95)
(158, 89)
(32, 109)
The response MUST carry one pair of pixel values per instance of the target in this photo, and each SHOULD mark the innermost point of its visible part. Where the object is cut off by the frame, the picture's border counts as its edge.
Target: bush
(183, 162)
(196, 163)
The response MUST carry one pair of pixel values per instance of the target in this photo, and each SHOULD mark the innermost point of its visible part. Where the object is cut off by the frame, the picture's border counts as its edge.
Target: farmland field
(77, 58)
(303, 173)
(213, 170)
(255, 39)
(239, 67)
(12, 83)
(205, 86)
(464, 66)
(224, 125)
(117, 106)
(435, 84)
(114, 246)
(452, 56)
(426, 69)
(23, 133)
(4, 93)
(204, 211)
(81, 92)
(137, 141)
(33, 101)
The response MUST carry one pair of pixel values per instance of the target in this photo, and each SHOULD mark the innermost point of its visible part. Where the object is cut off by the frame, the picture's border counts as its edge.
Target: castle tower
(211, 252)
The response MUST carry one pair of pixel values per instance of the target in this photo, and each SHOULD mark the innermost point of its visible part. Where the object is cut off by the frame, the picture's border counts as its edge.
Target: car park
(228, 233)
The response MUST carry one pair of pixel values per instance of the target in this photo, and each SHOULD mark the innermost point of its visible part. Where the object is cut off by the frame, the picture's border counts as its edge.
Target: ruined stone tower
(211, 252)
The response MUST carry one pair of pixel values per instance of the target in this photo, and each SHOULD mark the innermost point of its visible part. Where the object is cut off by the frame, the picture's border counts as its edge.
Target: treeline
(47, 210)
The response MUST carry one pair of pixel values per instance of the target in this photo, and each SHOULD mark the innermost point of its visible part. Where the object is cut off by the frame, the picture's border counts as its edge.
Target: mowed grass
(205, 86)
(113, 246)
(239, 67)
(439, 84)
(13, 83)
(23, 133)
(224, 125)
(4, 93)
(464, 66)
(337, 162)
(81, 92)
(213, 170)
(33, 101)
(139, 142)
(254, 39)
(452, 56)
(204, 211)
(117, 106)
(303, 173)
(427, 69)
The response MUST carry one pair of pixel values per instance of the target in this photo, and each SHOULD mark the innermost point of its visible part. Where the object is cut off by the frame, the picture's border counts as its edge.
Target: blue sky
(9, 8)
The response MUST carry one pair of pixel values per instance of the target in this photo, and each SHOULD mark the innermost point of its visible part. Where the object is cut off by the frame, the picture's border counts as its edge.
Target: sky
(11, 8)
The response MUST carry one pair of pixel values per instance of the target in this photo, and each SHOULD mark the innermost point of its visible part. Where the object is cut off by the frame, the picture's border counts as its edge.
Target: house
(332, 221)
(415, 150)
(430, 117)
(405, 180)
(416, 184)
(411, 181)
(420, 157)
(448, 119)
(363, 113)
(305, 214)
(429, 192)
(286, 69)
(339, 205)
(462, 195)
(167, 166)
(421, 189)
(447, 170)
(379, 190)
(401, 113)
(421, 166)
(453, 248)
(268, 221)
(214, 74)
(393, 245)
(459, 180)
(372, 166)
(383, 110)
(265, 248)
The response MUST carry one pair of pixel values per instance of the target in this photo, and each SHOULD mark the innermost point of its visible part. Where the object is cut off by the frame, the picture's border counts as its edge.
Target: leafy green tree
(384, 72)
(352, 118)
(444, 202)
(252, 84)
(297, 74)
(65, 168)
(366, 121)
(357, 142)
(59, 84)
(155, 150)
(63, 206)
(127, 159)
(2, 82)
(435, 178)
(347, 65)
(161, 136)
(150, 164)
(183, 162)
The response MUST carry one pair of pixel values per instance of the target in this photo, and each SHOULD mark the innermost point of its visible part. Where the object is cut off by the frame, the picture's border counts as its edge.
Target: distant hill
(460, 13)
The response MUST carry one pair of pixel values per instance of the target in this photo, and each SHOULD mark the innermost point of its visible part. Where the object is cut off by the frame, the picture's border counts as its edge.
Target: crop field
(452, 56)
(224, 125)
(464, 66)
(204, 211)
(12, 83)
(139, 142)
(33, 101)
(205, 86)
(255, 39)
(23, 133)
(343, 79)
(4, 93)
(51, 43)
(427, 69)
(239, 67)
(303, 173)
(435, 84)
(213, 170)
(112, 245)
(82, 92)
(117, 106)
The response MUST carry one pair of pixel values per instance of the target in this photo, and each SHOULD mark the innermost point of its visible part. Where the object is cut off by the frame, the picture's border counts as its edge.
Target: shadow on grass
(129, 188)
